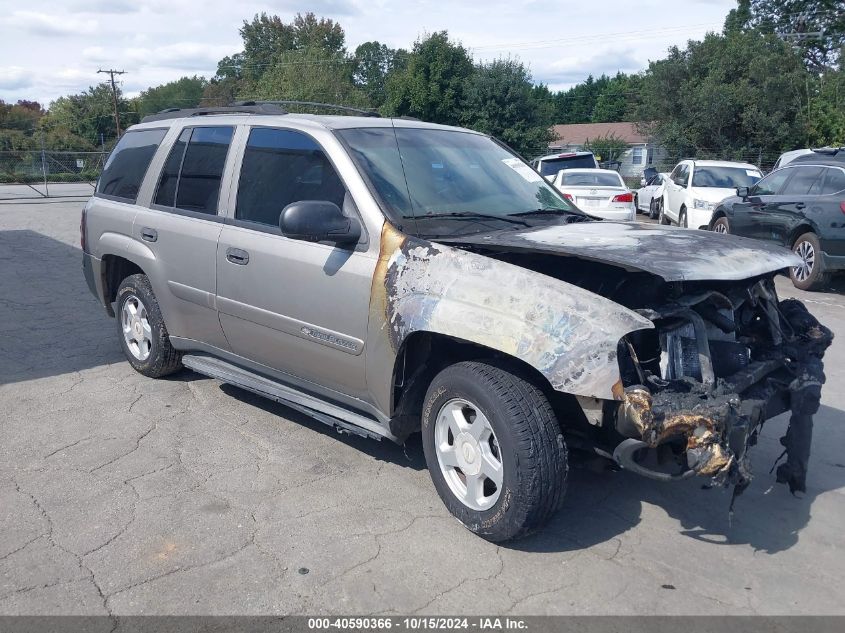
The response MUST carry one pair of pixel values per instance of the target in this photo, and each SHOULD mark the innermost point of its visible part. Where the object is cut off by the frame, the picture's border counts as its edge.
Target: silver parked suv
(388, 276)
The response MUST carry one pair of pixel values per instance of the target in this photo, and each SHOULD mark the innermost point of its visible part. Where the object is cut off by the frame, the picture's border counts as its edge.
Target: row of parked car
(800, 204)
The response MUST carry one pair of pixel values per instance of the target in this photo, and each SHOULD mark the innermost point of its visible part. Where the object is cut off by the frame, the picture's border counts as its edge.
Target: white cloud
(185, 55)
(14, 78)
(94, 54)
(51, 24)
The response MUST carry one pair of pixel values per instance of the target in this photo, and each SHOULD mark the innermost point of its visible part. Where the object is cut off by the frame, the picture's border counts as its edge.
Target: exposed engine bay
(724, 357)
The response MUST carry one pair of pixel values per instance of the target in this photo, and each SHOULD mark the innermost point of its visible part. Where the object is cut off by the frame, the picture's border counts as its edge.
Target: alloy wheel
(468, 454)
(136, 328)
(807, 253)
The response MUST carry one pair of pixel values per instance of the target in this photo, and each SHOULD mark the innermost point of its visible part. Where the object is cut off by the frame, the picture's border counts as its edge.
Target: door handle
(149, 235)
(800, 206)
(237, 256)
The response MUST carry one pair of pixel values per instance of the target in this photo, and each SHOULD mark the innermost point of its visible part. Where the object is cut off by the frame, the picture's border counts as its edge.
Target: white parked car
(787, 157)
(648, 197)
(696, 187)
(598, 192)
(550, 165)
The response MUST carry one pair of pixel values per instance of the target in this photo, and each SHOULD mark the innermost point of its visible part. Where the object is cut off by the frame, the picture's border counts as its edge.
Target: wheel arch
(798, 231)
(116, 268)
(424, 354)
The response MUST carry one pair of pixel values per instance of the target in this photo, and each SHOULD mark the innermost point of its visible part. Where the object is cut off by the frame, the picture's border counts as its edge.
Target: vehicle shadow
(410, 455)
(50, 324)
(603, 505)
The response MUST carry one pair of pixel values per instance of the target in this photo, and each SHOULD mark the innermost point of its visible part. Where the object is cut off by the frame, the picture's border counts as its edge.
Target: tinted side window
(771, 184)
(281, 167)
(802, 181)
(202, 168)
(125, 169)
(834, 181)
(682, 175)
(166, 193)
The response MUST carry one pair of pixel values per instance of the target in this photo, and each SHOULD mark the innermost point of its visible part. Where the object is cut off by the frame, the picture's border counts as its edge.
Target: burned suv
(389, 277)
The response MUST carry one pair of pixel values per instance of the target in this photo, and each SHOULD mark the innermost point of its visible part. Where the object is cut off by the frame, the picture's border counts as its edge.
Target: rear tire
(141, 330)
(517, 427)
(810, 275)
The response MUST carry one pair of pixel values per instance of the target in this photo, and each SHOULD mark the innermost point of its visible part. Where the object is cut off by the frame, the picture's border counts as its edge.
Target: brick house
(642, 153)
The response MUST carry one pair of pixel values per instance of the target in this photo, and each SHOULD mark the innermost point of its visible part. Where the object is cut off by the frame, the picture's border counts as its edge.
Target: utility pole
(111, 73)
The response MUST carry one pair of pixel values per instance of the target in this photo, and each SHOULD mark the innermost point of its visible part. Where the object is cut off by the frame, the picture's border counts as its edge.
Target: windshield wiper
(549, 212)
(471, 215)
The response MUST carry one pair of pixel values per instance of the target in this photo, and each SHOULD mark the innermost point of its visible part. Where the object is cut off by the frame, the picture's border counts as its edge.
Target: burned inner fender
(570, 335)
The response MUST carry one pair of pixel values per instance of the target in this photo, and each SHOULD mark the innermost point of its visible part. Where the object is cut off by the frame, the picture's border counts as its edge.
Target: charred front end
(719, 363)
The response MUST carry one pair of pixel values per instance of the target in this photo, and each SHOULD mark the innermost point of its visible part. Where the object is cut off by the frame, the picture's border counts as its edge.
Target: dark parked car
(801, 206)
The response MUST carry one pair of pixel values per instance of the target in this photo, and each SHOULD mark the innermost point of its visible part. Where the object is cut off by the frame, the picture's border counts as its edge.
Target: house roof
(578, 133)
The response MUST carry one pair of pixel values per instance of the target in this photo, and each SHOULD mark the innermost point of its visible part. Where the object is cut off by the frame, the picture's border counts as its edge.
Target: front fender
(570, 335)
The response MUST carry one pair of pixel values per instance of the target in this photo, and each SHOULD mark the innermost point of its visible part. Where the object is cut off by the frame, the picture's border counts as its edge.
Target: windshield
(594, 179)
(550, 166)
(426, 174)
(724, 177)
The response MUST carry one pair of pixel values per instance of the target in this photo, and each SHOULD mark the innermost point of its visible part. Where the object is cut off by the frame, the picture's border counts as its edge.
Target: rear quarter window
(128, 163)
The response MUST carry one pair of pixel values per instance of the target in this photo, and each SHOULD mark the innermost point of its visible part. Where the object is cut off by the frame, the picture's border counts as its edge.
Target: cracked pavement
(125, 495)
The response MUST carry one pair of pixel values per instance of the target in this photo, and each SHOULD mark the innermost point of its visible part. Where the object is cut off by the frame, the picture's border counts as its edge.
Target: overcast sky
(48, 49)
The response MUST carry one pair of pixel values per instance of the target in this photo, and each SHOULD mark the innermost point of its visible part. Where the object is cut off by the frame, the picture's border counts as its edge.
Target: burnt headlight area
(698, 388)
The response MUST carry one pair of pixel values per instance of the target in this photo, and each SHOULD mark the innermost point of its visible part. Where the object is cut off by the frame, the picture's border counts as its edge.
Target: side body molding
(570, 335)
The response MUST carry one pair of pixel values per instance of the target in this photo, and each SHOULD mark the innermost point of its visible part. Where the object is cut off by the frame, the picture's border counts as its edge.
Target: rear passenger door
(299, 308)
(182, 226)
(785, 211)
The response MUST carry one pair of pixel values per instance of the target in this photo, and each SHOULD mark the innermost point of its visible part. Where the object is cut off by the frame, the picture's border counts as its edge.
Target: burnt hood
(673, 253)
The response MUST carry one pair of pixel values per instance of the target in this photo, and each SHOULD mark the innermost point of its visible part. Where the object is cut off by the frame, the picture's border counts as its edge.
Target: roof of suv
(822, 156)
(332, 122)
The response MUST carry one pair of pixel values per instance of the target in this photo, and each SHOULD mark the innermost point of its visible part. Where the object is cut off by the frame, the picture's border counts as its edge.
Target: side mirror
(318, 221)
(743, 192)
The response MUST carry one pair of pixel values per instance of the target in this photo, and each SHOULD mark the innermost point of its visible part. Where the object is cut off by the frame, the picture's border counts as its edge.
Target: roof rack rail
(313, 104)
(246, 107)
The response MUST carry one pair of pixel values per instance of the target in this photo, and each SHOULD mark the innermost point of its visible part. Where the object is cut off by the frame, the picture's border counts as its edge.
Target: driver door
(296, 307)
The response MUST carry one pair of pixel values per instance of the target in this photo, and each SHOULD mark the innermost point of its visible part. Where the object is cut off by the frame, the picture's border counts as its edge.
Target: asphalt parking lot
(126, 495)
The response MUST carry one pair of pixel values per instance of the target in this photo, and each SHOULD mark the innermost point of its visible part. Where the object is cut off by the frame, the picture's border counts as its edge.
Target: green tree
(736, 95)
(374, 62)
(182, 93)
(431, 86)
(617, 99)
(501, 101)
(815, 27)
(90, 114)
(308, 75)
(608, 148)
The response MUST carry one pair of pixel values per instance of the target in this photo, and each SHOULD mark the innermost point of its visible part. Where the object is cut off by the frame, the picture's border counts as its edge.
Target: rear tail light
(568, 196)
(624, 197)
(83, 229)
(842, 206)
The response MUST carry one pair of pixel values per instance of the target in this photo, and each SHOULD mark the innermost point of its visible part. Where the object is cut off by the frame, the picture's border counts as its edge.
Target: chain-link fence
(48, 173)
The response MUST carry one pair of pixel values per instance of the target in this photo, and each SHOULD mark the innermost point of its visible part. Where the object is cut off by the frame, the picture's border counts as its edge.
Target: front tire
(654, 209)
(808, 276)
(721, 225)
(494, 449)
(141, 329)
(682, 218)
(661, 216)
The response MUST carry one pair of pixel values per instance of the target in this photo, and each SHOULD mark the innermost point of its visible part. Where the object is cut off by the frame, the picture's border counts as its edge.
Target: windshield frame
(410, 224)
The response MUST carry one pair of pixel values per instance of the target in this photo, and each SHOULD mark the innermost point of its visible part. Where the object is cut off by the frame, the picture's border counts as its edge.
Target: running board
(343, 420)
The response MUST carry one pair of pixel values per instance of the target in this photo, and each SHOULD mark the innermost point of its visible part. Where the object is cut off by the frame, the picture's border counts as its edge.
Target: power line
(111, 73)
